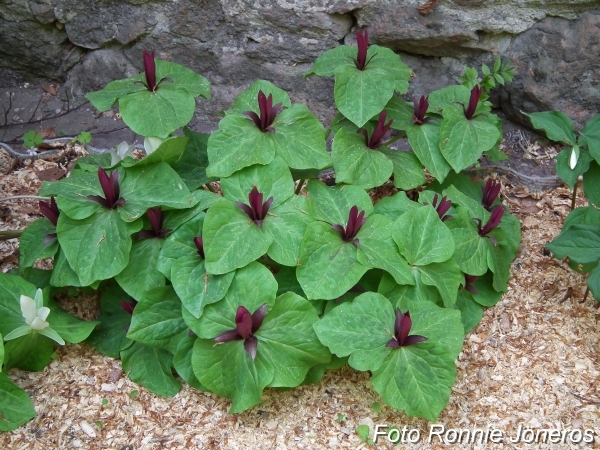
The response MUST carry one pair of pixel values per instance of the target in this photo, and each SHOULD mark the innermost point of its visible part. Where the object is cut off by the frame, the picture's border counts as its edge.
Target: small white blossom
(120, 152)
(151, 143)
(574, 157)
(35, 314)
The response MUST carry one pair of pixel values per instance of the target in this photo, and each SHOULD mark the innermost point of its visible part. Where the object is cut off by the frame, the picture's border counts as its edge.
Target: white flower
(151, 143)
(574, 157)
(120, 152)
(35, 314)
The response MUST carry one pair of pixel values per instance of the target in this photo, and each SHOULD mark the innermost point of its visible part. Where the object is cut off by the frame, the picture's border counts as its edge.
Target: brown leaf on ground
(427, 7)
(50, 89)
(52, 174)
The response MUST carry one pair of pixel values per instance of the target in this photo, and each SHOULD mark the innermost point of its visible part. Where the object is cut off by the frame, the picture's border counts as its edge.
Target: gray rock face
(553, 43)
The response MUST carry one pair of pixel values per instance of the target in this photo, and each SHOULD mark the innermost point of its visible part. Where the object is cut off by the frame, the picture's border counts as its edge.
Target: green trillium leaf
(331, 204)
(15, 405)
(32, 245)
(140, 274)
(150, 367)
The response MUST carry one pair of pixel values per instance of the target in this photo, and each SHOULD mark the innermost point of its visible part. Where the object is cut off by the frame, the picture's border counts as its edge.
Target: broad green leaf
(238, 143)
(157, 113)
(71, 193)
(462, 183)
(287, 281)
(563, 168)
(195, 287)
(418, 292)
(332, 60)
(422, 237)
(401, 111)
(557, 126)
(150, 367)
(362, 94)
(156, 319)
(446, 277)
(140, 273)
(471, 251)
(462, 141)
(150, 186)
(231, 239)
(169, 151)
(31, 244)
(287, 224)
(109, 338)
(590, 136)
(499, 261)
(15, 405)
(417, 379)
(180, 243)
(62, 273)
(183, 77)
(425, 142)
(591, 183)
(287, 340)
(472, 206)
(581, 243)
(440, 99)
(355, 163)
(593, 282)
(360, 329)
(328, 266)
(97, 247)
(38, 277)
(251, 287)
(386, 59)
(104, 99)
(408, 170)
(486, 294)
(182, 362)
(332, 204)
(394, 206)
(32, 352)
(378, 249)
(582, 216)
(11, 289)
(248, 99)
(192, 164)
(1, 352)
(70, 328)
(273, 180)
(471, 312)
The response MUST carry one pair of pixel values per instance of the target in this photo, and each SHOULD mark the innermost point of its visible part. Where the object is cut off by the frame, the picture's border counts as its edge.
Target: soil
(532, 362)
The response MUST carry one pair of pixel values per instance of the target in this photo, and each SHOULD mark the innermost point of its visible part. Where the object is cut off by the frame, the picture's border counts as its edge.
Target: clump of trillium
(490, 193)
(362, 41)
(156, 222)
(257, 210)
(246, 325)
(150, 72)
(421, 107)
(473, 101)
(469, 280)
(380, 134)
(492, 223)
(50, 212)
(356, 221)
(402, 326)
(35, 314)
(111, 189)
(267, 111)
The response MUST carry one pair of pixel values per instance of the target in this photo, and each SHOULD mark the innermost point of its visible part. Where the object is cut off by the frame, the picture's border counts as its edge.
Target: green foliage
(258, 286)
(32, 139)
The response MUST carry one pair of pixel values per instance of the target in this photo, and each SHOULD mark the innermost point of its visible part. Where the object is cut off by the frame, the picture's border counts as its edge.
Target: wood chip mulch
(533, 362)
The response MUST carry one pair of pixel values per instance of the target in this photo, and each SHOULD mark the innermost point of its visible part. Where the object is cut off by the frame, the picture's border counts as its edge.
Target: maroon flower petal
(393, 343)
(101, 200)
(362, 41)
(414, 339)
(243, 322)
(50, 210)
(473, 101)
(229, 335)
(251, 345)
(258, 317)
(49, 238)
(150, 70)
(254, 117)
(200, 246)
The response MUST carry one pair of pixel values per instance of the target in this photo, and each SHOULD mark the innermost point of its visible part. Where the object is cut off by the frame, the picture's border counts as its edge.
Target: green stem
(299, 187)
(10, 234)
(16, 197)
(210, 188)
(334, 122)
(574, 196)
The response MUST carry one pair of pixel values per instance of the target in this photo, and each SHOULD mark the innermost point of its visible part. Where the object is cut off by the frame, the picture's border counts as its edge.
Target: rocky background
(84, 44)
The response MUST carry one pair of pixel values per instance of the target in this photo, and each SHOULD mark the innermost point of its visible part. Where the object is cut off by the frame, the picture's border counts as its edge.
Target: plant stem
(587, 291)
(210, 188)
(574, 196)
(334, 122)
(299, 187)
(10, 234)
(15, 197)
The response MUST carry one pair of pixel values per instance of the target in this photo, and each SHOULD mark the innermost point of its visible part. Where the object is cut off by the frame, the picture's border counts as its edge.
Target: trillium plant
(280, 276)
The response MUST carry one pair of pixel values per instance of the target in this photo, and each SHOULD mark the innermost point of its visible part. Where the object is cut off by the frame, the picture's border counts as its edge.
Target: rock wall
(555, 45)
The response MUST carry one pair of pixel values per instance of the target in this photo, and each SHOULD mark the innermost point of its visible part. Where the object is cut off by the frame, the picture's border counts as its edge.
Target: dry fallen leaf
(52, 174)
(50, 89)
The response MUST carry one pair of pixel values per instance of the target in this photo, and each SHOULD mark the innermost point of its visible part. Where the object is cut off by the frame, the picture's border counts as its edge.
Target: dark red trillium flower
(469, 280)
(490, 193)
(402, 327)
(442, 208)
(200, 246)
(51, 212)
(355, 222)
(257, 211)
(494, 221)
(421, 107)
(156, 223)
(362, 40)
(150, 72)
(128, 305)
(268, 112)
(380, 133)
(110, 187)
(473, 101)
(246, 325)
